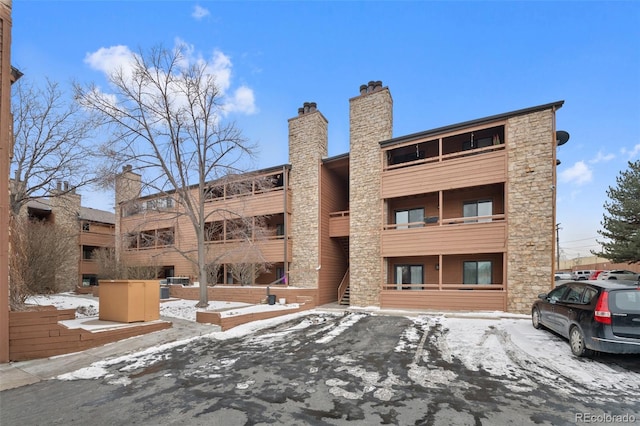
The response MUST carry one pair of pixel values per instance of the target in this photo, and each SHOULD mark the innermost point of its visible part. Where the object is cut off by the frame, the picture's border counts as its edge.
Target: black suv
(600, 316)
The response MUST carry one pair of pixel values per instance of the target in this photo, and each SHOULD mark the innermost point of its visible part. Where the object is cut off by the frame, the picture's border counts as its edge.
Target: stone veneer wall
(530, 200)
(128, 187)
(66, 208)
(308, 144)
(371, 121)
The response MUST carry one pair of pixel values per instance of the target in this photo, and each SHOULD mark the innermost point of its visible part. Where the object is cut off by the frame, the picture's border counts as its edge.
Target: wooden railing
(344, 284)
(445, 157)
(461, 287)
(447, 221)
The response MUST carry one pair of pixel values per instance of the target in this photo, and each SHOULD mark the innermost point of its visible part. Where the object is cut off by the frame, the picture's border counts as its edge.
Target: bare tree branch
(53, 143)
(167, 115)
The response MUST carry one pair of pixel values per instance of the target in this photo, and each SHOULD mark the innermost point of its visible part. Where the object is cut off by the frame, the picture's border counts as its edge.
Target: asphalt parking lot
(343, 368)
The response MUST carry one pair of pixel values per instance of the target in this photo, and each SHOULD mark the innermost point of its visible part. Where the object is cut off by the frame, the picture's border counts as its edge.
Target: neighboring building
(458, 217)
(596, 263)
(93, 229)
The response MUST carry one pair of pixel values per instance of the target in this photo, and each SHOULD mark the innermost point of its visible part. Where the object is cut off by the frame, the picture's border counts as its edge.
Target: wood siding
(97, 239)
(271, 250)
(38, 334)
(333, 258)
(247, 294)
(266, 203)
(88, 267)
(445, 239)
(445, 300)
(480, 169)
(227, 322)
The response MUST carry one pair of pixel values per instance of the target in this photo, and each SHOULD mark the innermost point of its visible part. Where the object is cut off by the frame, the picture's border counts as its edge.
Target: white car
(619, 274)
(562, 276)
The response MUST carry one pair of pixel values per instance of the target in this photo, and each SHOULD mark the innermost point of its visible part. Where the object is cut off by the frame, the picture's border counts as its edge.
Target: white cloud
(242, 101)
(115, 58)
(601, 157)
(220, 67)
(110, 59)
(199, 12)
(632, 153)
(578, 174)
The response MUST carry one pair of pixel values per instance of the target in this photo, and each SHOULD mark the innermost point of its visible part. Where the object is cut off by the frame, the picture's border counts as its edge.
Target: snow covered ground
(88, 306)
(497, 343)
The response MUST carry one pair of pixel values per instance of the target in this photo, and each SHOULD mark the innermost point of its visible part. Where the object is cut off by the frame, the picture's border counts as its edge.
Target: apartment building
(91, 229)
(460, 217)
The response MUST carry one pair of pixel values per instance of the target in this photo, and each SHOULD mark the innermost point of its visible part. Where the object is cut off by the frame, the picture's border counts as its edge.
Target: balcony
(269, 250)
(89, 266)
(339, 224)
(447, 172)
(266, 202)
(454, 235)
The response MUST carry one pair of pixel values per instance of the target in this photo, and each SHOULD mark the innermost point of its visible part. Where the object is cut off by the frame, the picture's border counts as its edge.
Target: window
(556, 294)
(413, 216)
(131, 241)
(88, 252)
(477, 272)
(588, 295)
(478, 208)
(165, 237)
(151, 239)
(409, 274)
(574, 294)
(214, 231)
(280, 229)
(85, 227)
(280, 275)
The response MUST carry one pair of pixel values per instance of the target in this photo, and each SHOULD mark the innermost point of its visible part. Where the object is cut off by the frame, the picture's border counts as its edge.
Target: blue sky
(444, 63)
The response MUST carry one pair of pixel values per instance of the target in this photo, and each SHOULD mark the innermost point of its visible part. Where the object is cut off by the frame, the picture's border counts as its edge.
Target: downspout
(285, 183)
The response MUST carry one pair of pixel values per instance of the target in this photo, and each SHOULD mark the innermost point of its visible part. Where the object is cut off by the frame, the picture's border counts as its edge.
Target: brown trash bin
(129, 300)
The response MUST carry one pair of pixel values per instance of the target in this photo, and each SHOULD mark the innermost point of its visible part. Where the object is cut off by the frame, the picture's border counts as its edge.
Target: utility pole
(558, 245)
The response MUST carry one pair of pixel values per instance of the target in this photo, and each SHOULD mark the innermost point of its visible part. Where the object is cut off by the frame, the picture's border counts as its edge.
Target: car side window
(556, 294)
(574, 294)
(589, 294)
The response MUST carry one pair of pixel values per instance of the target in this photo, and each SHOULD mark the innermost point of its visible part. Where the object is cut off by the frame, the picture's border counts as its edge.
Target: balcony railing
(457, 237)
(435, 221)
(461, 287)
(445, 157)
(339, 224)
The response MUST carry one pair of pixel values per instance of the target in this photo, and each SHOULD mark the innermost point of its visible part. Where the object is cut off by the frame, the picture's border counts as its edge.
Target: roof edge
(470, 123)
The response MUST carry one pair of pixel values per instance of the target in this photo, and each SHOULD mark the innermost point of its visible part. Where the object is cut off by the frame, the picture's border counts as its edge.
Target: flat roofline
(471, 123)
(335, 158)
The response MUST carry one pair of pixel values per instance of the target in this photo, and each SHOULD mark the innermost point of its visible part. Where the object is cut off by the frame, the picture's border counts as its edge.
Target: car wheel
(535, 318)
(576, 341)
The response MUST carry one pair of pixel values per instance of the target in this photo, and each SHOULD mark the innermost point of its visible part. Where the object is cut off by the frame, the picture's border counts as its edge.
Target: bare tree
(52, 143)
(110, 268)
(167, 117)
(41, 260)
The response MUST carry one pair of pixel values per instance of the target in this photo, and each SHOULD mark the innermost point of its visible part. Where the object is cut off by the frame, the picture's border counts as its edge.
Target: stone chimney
(371, 121)
(308, 144)
(65, 208)
(128, 188)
